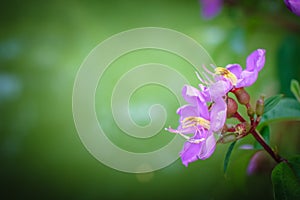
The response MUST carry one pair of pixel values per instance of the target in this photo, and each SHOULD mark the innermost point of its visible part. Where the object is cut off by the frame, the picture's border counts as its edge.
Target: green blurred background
(42, 45)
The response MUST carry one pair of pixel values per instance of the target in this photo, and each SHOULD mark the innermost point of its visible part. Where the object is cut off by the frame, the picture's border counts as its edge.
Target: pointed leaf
(227, 157)
(271, 102)
(295, 88)
(288, 109)
(286, 183)
(265, 133)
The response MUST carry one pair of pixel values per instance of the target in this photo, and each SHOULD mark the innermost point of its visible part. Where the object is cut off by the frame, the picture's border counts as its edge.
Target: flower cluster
(204, 117)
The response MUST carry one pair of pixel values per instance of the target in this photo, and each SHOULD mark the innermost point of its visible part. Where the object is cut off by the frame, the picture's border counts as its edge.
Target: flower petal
(195, 98)
(293, 5)
(210, 8)
(190, 94)
(247, 78)
(202, 150)
(205, 93)
(220, 88)
(218, 115)
(190, 151)
(186, 111)
(208, 148)
(236, 69)
(256, 60)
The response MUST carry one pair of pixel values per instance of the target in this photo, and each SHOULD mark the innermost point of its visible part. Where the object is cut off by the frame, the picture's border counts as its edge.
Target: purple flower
(193, 115)
(210, 8)
(197, 119)
(200, 146)
(293, 5)
(243, 78)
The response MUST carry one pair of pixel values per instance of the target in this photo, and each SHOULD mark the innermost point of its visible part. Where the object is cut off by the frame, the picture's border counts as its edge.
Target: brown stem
(259, 138)
(239, 117)
(262, 142)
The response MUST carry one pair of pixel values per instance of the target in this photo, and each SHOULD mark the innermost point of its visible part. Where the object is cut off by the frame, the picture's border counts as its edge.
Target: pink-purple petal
(218, 115)
(208, 148)
(190, 94)
(202, 150)
(219, 88)
(236, 69)
(247, 78)
(191, 150)
(205, 93)
(293, 5)
(256, 60)
(210, 8)
(187, 111)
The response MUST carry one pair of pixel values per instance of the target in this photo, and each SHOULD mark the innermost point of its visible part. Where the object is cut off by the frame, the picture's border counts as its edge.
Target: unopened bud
(242, 96)
(260, 106)
(224, 129)
(227, 138)
(231, 107)
(250, 111)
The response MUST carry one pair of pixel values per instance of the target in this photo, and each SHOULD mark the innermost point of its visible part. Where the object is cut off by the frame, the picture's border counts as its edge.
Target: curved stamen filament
(195, 121)
(196, 141)
(191, 140)
(201, 79)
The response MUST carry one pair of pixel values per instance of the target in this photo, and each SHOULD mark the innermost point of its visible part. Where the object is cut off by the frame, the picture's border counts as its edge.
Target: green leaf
(288, 109)
(295, 88)
(227, 157)
(271, 102)
(295, 165)
(265, 133)
(285, 179)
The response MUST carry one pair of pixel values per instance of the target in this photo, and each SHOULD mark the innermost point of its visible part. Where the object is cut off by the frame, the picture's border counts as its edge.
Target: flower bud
(227, 138)
(250, 111)
(224, 129)
(242, 96)
(260, 106)
(231, 107)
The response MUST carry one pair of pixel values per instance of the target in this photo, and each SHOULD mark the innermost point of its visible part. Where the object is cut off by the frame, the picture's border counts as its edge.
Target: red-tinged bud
(260, 106)
(232, 107)
(224, 129)
(242, 96)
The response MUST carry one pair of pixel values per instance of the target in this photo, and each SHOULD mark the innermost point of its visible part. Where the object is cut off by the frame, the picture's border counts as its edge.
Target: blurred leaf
(285, 179)
(271, 102)
(295, 165)
(288, 109)
(288, 62)
(265, 133)
(227, 157)
(295, 88)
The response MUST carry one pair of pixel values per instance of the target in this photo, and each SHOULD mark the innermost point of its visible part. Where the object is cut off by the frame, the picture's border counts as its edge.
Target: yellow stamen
(196, 141)
(195, 121)
(227, 74)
